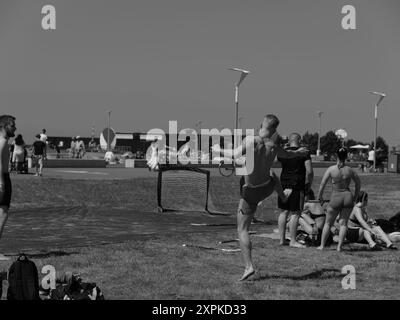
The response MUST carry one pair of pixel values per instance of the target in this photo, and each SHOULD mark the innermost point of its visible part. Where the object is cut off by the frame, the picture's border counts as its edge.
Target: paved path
(58, 228)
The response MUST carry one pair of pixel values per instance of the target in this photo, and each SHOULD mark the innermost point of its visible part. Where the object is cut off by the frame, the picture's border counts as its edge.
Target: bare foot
(320, 248)
(247, 273)
(339, 249)
(297, 245)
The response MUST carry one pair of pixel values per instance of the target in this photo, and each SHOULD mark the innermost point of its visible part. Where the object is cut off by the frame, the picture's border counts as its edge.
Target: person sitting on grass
(361, 227)
(312, 218)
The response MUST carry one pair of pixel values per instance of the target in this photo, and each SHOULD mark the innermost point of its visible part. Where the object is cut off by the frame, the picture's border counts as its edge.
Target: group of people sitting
(361, 228)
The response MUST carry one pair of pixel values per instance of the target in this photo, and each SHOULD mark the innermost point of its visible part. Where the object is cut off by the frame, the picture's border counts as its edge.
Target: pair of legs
(292, 207)
(4, 206)
(293, 225)
(341, 203)
(3, 220)
(331, 215)
(246, 213)
(312, 226)
(39, 165)
(357, 235)
(382, 236)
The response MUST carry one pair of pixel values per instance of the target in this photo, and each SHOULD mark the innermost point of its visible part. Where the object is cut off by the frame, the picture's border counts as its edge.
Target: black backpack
(23, 280)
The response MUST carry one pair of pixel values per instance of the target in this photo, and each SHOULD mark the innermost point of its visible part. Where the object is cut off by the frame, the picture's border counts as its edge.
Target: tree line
(330, 143)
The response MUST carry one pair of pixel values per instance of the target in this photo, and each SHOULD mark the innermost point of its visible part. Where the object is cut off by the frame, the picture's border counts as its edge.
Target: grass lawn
(159, 267)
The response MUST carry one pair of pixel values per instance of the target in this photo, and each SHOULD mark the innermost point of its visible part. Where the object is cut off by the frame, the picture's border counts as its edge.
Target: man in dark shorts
(7, 130)
(296, 173)
(39, 154)
(260, 183)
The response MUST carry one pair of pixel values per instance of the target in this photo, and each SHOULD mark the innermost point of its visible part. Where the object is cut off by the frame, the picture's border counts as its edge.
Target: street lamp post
(243, 74)
(108, 134)
(198, 132)
(381, 96)
(320, 113)
(240, 122)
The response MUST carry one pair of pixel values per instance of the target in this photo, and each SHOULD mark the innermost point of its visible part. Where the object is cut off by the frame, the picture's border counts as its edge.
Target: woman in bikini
(361, 227)
(342, 200)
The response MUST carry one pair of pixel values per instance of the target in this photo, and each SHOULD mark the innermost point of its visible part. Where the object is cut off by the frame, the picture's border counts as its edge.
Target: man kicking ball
(260, 183)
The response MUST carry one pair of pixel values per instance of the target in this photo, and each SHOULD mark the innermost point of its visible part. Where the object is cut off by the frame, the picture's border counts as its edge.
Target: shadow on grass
(317, 274)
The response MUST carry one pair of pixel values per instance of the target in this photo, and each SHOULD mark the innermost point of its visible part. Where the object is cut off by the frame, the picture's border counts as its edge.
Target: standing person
(296, 173)
(371, 156)
(152, 157)
(80, 147)
(39, 155)
(7, 129)
(72, 147)
(18, 157)
(342, 200)
(57, 148)
(258, 184)
(43, 136)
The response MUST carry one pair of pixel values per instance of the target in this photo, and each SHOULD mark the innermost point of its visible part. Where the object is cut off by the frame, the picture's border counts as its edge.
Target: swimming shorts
(295, 201)
(5, 200)
(353, 234)
(252, 195)
(341, 200)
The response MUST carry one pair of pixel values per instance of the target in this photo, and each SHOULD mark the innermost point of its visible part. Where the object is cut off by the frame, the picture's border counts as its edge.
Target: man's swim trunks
(5, 200)
(295, 201)
(252, 195)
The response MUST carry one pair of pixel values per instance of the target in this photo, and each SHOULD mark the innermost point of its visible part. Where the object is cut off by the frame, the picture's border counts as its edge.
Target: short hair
(272, 120)
(5, 120)
(342, 153)
(294, 137)
(362, 196)
(44, 130)
(19, 141)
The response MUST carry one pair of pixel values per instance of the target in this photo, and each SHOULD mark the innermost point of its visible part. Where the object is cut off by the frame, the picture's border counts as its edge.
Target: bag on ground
(23, 280)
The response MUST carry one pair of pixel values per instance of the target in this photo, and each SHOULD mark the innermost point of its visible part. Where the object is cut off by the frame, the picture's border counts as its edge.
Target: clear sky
(150, 61)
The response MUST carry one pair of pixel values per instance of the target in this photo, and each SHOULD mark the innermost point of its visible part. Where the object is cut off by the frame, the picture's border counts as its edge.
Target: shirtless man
(7, 129)
(342, 200)
(258, 184)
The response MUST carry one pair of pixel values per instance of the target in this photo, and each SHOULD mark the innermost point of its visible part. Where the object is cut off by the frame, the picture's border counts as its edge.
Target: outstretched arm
(309, 172)
(247, 144)
(357, 182)
(289, 153)
(361, 220)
